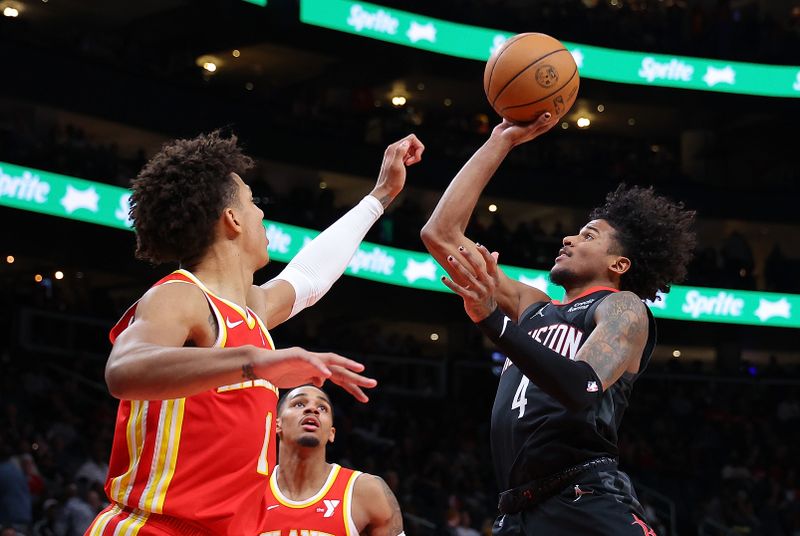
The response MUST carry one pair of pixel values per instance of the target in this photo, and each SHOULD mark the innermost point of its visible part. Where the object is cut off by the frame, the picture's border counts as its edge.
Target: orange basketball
(530, 74)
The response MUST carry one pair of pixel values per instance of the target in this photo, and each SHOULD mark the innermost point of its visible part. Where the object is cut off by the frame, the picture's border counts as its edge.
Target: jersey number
(263, 463)
(519, 397)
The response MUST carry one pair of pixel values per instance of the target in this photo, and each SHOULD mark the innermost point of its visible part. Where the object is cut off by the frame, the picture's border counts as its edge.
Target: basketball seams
(525, 69)
(505, 47)
(565, 84)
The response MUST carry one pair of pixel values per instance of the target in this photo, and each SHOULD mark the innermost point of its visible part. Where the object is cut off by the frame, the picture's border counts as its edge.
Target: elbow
(432, 237)
(117, 381)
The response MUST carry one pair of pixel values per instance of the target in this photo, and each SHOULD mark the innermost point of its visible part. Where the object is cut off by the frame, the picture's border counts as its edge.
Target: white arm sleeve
(322, 261)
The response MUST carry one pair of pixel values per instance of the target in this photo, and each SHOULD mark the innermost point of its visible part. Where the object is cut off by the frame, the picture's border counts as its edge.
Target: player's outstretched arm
(443, 234)
(320, 263)
(376, 507)
(150, 359)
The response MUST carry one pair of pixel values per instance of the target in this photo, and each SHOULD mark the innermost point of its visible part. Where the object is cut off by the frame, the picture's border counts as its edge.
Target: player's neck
(225, 274)
(301, 477)
(576, 291)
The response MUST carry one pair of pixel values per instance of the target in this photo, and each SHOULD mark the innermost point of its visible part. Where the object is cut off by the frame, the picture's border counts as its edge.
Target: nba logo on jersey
(591, 387)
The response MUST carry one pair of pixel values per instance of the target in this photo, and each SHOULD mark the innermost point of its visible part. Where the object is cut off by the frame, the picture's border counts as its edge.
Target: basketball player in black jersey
(571, 366)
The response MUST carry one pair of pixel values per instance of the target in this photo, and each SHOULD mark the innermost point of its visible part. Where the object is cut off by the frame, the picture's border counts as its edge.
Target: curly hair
(180, 194)
(654, 233)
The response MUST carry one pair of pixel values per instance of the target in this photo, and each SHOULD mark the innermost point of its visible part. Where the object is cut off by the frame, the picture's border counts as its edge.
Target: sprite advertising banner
(78, 199)
(472, 42)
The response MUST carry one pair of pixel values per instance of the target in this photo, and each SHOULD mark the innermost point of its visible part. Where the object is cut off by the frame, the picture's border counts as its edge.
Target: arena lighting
(38, 278)
(676, 353)
(59, 274)
(492, 208)
(323, 185)
(236, 53)
(583, 122)
(621, 66)
(102, 204)
(448, 102)
(631, 121)
(210, 66)
(601, 108)
(11, 12)
(399, 100)
(434, 337)
(565, 125)
(10, 259)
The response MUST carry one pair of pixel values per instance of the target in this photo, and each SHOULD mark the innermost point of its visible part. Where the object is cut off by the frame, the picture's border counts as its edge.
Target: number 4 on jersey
(520, 401)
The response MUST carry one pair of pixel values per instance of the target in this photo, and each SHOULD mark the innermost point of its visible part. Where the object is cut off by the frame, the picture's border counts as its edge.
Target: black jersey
(534, 435)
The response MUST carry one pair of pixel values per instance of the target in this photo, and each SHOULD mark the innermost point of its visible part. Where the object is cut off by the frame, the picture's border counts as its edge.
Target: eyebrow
(593, 228)
(309, 396)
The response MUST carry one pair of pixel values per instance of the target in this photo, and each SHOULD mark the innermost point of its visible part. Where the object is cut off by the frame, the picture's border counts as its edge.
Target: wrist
(494, 324)
(499, 143)
(383, 196)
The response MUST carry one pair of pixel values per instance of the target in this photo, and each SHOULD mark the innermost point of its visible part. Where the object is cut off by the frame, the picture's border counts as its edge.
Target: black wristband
(494, 325)
(573, 383)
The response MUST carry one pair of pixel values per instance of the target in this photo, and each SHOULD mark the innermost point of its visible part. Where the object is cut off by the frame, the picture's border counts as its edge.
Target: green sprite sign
(77, 199)
(471, 42)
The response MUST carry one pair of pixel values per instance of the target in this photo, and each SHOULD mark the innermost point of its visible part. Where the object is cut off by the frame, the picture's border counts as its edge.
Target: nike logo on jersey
(540, 312)
(230, 324)
(272, 507)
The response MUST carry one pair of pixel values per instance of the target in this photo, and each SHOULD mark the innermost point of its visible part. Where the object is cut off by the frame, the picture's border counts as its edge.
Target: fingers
(490, 259)
(469, 280)
(456, 288)
(335, 360)
(352, 382)
(408, 150)
(318, 364)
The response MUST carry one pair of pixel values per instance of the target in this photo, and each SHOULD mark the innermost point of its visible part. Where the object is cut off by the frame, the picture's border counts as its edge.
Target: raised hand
(517, 133)
(392, 177)
(481, 278)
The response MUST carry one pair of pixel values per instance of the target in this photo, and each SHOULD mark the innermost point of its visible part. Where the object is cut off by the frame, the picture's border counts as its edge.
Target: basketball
(530, 74)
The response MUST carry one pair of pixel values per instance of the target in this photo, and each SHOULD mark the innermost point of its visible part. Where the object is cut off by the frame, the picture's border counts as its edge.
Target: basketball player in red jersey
(306, 494)
(570, 365)
(193, 364)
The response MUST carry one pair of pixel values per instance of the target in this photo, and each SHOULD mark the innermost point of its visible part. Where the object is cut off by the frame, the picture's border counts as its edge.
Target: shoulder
(373, 493)
(623, 302)
(173, 298)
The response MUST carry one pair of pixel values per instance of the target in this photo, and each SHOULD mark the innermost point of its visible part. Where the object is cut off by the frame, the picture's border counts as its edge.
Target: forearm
(151, 372)
(573, 383)
(319, 264)
(452, 213)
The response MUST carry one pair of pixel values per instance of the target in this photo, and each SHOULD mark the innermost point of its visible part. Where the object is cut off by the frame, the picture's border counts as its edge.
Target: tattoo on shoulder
(395, 525)
(622, 325)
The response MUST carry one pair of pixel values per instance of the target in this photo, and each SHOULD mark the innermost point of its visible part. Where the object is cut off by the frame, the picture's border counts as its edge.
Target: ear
(231, 222)
(620, 265)
(278, 426)
(332, 435)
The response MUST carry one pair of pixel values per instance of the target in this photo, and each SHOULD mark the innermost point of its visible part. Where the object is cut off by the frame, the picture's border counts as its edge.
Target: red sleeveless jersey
(200, 464)
(328, 513)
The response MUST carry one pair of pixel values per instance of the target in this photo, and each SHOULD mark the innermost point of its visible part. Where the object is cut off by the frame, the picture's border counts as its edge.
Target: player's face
(306, 418)
(586, 255)
(254, 234)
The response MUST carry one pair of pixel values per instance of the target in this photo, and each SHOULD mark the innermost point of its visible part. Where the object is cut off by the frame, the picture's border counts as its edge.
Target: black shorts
(601, 503)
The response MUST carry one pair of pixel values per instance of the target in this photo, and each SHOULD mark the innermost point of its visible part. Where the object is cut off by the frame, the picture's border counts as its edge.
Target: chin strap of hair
(573, 383)
(322, 261)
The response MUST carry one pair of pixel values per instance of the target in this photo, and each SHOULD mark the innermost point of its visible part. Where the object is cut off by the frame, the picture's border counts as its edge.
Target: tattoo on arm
(619, 337)
(395, 524)
(385, 200)
(248, 373)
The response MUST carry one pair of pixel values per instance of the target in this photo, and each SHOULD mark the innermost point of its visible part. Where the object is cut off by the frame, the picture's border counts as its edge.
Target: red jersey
(328, 513)
(200, 464)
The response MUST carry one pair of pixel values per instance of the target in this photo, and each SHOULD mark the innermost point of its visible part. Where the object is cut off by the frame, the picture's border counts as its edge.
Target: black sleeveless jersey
(534, 435)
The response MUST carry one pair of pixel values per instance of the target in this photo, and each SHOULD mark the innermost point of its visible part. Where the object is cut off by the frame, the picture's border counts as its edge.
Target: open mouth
(309, 424)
